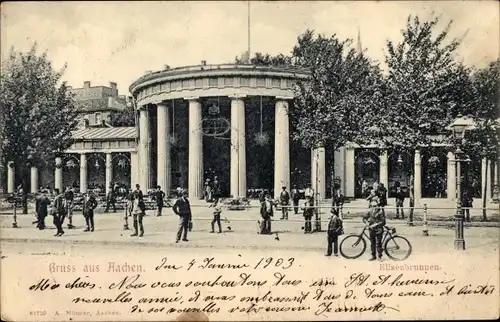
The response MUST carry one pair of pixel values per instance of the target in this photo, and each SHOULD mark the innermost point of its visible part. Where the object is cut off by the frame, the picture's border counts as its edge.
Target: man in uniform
(89, 204)
(69, 196)
(295, 199)
(284, 202)
(59, 212)
(158, 196)
(182, 208)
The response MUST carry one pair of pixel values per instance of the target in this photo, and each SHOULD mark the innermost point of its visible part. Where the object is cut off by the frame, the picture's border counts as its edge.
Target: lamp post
(459, 127)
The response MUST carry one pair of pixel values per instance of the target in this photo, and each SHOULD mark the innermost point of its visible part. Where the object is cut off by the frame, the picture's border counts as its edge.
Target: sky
(120, 41)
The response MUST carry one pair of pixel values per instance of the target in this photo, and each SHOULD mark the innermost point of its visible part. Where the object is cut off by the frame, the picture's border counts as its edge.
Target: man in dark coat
(284, 201)
(69, 195)
(294, 194)
(158, 196)
(89, 204)
(59, 212)
(267, 211)
(111, 198)
(375, 219)
(42, 204)
(216, 188)
(400, 199)
(182, 208)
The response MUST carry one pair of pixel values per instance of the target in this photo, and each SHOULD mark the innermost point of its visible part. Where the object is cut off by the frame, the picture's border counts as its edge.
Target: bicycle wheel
(352, 246)
(397, 248)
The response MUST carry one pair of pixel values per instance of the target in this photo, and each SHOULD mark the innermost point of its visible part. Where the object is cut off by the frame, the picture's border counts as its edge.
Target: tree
(260, 59)
(342, 92)
(426, 89)
(37, 111)
(125, 117)
(483, 140)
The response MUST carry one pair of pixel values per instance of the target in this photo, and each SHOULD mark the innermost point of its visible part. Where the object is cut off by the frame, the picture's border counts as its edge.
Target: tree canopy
(484, 108)
(37, 110)
(426, 87)
(125, 117)
(341, 93)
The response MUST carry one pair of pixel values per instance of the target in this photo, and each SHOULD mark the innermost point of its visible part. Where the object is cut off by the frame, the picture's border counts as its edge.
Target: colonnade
(58, 173)
(238, 184)
(451, 183)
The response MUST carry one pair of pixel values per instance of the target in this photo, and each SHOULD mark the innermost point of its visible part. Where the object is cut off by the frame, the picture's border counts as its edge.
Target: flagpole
(248, 31)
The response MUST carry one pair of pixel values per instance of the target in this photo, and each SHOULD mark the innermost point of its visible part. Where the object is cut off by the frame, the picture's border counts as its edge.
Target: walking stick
(125, 227)
(14, 224)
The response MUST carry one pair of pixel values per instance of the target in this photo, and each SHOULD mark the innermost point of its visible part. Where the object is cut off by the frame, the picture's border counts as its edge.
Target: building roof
(104, 133)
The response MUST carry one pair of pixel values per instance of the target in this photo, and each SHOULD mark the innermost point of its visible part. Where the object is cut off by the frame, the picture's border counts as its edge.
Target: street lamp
(459, 127)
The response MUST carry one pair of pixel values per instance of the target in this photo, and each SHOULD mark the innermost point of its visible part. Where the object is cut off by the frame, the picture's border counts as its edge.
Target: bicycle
(354, 245)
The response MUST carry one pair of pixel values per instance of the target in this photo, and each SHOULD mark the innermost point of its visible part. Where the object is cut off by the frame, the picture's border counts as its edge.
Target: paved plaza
(239, 231)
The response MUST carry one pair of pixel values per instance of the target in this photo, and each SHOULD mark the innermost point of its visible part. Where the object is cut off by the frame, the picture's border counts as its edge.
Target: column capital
(236, 96)
(284, 98)
(192, 98)
(161, 103)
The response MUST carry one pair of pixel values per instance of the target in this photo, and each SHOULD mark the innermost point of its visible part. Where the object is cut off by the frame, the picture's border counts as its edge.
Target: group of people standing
(61, 207)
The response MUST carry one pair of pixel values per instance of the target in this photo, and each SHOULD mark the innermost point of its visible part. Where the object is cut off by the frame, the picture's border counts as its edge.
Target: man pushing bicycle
(375, 220)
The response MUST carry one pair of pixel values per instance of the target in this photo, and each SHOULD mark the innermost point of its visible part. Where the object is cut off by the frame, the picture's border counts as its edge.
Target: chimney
(203, 62)
(112, 85)
(86, 84)
(110, 102)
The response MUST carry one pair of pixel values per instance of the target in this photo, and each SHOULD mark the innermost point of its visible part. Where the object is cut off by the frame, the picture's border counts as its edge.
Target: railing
(319, 210)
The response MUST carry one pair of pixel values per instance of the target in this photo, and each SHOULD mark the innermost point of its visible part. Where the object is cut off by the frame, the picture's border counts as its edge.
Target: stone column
(238, 148)
(495, 177)
(58, 181)
(350, 169)
(11, 177)
(83, 173)
(486, 177)
(134, 169)
(109, 171)
(34, 179)
(195, 163)
(281, 145)
(417, 176)
(339, 166)
(384, 169)
(451, 181)
(144, 150)
(164, 171)
(318, 172)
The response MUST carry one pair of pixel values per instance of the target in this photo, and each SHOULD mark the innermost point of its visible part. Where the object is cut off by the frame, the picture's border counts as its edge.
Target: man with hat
(182, 208)
(59, 212)
(89, 204)
(295, 199)
(158, 196)
(284, 201)
(375, 219)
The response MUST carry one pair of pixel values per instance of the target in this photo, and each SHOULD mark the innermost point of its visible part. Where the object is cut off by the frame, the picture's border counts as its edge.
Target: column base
(459, 244)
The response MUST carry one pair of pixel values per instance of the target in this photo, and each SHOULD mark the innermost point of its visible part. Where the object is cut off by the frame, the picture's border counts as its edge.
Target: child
(335, 228)
(217, 212)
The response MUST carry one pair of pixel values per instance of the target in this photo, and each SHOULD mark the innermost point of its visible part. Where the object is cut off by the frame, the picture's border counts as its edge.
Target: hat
(184, 193)
(283, 187)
